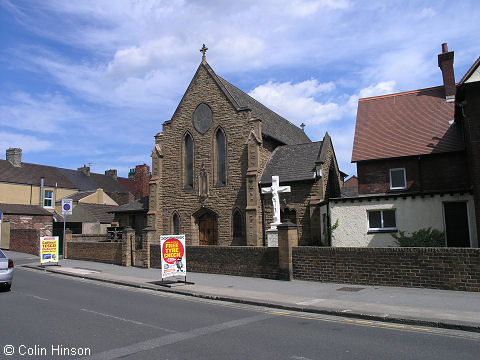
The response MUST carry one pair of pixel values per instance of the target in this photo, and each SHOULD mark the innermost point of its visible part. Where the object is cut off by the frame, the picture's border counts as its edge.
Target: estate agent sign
(48, 249)
(174, 261)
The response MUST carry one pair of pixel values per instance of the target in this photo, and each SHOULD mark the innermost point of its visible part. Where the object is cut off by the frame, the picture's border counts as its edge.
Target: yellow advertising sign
(48, 249)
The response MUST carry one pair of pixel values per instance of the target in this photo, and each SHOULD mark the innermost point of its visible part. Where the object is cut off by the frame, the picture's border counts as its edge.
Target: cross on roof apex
(203, 50)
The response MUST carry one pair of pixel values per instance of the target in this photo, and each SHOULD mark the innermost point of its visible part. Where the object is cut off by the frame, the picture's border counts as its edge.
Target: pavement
(458, 310)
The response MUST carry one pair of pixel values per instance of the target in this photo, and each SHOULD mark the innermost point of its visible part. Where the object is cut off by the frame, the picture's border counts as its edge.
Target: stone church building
(216, 153)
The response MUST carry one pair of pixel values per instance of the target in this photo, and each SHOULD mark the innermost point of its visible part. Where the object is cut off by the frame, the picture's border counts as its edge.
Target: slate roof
(405, 124)
(140, 205)
(293, 162)
(31, 174)
(17, 209)
(273, 125)
(99, 211)
(77, 196)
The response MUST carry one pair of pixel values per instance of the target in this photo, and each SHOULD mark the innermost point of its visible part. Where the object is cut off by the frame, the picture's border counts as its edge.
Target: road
(46, 316)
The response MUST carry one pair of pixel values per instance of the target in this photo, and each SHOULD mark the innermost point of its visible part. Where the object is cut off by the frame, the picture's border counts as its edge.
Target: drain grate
(352, 289)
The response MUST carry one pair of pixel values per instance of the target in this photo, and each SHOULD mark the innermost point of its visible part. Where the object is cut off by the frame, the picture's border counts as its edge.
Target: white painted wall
(412, 214)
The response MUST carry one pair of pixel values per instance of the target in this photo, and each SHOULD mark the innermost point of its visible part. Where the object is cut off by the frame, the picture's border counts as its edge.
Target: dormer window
(398, 180)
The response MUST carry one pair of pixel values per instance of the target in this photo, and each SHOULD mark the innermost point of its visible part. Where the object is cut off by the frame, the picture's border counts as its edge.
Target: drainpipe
(42, 186)
(55, 196)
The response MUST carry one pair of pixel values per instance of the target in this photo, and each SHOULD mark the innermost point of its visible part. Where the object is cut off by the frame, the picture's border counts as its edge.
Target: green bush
(421, 238)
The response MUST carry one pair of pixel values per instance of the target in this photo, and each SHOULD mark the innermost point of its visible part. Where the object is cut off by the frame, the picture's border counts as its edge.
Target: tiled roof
(292, 162)
(31, 174)
(405, 124)
(140, 205)
(273, 125)
(17, 209)
(99, 211)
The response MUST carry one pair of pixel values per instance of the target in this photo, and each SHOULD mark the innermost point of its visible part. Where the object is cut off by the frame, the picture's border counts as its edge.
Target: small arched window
(221, 178)
(237, 224)
(188, 162)
(175, 223)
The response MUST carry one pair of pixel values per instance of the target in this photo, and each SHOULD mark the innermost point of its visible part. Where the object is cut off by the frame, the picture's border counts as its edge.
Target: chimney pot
(444, 48)
(14, 156)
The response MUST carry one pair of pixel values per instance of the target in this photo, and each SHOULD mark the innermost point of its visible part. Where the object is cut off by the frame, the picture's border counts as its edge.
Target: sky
(92, 81)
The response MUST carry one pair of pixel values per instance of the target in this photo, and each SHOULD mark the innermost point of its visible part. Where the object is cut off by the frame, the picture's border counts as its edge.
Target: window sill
(220, 185)
(376, 231)
(188, 187)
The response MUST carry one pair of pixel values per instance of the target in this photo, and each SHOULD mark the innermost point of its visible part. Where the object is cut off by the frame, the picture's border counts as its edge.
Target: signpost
(174, 260)
(49, 250)
(67, 207)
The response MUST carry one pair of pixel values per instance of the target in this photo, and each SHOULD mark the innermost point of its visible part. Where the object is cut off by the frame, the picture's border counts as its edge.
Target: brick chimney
(142, 179)
(111, 173)
(14, 156)
(85, 169)
(445, 63)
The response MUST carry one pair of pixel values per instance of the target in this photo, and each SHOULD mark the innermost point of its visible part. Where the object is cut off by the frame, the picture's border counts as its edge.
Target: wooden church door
(207, 227)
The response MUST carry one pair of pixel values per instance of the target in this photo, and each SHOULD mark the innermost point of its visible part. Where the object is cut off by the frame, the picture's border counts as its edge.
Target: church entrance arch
(207, 226)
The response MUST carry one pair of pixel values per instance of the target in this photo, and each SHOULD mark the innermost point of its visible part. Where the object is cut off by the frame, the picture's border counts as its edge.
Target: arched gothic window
(221, 176)
(237, 224)
(175, 223)
(188, 162)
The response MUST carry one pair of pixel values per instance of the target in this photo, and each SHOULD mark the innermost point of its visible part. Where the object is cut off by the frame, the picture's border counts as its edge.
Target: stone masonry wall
(437, 268)
(228, 260)
(110, 253)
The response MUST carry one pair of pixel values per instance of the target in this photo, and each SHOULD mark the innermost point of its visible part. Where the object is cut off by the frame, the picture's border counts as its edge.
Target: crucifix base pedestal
(272, 237)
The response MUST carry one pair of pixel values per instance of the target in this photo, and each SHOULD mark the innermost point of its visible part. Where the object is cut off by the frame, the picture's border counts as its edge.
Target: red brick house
(412, 167)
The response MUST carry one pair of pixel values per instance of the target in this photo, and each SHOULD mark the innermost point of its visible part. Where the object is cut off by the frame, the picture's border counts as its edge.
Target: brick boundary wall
(250, 261)
(89, 237)
(25, 241)
(106, 252)
(436, 268)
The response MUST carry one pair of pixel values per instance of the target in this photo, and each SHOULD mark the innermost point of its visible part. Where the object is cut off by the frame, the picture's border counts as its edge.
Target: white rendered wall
(412, 214)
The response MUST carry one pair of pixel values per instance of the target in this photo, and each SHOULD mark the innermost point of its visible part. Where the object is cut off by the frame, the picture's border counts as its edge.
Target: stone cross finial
(302, 125)
(275, 189)
(203, 50)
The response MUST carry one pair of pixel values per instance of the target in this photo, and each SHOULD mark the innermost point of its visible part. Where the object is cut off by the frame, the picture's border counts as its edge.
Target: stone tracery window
(237, 224)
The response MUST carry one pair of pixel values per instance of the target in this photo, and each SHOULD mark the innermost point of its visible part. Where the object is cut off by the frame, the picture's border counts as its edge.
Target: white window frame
(45, 198)
(404, 179)
(382, 228)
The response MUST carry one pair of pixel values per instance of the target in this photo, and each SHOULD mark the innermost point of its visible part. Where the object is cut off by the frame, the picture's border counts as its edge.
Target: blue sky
(92, 81)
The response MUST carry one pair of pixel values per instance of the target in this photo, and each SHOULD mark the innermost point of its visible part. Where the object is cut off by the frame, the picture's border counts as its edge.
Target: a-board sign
(67, 205)
(174, 260)
(48, 249)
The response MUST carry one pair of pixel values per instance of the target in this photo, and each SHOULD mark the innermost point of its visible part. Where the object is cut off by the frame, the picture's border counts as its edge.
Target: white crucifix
(275, 189)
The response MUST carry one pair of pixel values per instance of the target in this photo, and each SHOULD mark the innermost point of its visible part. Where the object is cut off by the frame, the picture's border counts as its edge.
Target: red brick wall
(110, 253)
(25, 241)
(437, 268)
(26, 230)
(228, 260)
(142, 179)
(429, 173)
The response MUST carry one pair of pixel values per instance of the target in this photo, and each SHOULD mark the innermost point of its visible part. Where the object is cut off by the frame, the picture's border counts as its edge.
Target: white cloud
(26, 142)
(297, 102)
(46, 113)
